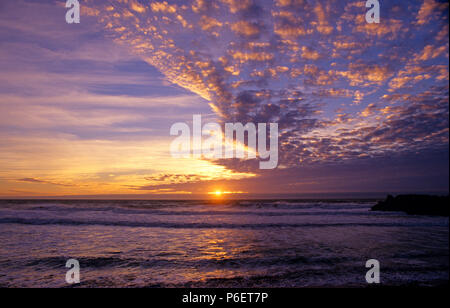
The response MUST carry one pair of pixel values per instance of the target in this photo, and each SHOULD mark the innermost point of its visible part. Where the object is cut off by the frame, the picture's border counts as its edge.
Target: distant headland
(415, 205)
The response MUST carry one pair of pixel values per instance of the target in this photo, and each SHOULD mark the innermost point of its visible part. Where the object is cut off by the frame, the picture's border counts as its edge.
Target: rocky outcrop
(415, 205)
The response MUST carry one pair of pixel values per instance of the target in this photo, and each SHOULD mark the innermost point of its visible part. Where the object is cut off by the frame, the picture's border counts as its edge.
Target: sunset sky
(86, 109)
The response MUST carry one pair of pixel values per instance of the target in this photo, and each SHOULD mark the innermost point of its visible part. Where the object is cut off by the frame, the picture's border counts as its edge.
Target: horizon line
(242, 196)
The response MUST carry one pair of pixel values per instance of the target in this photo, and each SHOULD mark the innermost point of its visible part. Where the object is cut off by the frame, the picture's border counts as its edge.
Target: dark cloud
(38, 181)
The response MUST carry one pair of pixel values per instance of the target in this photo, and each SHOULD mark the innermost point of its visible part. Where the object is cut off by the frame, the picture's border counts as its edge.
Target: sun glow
(220, 193)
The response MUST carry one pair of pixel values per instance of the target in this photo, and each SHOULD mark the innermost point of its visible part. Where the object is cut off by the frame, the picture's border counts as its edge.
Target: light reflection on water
(290, 245)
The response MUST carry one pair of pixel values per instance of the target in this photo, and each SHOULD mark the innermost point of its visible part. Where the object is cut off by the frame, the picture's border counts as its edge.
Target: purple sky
(85, 109)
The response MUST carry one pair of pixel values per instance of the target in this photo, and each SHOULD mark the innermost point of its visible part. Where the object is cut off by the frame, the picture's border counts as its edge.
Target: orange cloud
(426, 10)
(207, 23)
(163, 7)
(254, 56)
(245, 28)
(237, 5)
(309, 54)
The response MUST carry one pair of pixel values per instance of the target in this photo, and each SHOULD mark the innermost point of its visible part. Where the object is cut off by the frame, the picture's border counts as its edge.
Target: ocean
(266, 243)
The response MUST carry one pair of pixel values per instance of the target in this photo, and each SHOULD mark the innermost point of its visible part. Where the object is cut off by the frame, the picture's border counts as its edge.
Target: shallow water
(218, 244)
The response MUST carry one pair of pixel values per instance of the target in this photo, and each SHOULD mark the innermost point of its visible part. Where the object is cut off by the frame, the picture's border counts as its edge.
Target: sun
(219, 193)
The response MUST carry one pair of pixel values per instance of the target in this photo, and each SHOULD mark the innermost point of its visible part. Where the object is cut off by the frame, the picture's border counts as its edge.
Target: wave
(153, 261)
(170, 225)
(101, 205)
(218, 212)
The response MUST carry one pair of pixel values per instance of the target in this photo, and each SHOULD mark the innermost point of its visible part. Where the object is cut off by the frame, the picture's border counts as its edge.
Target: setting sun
(222, 193)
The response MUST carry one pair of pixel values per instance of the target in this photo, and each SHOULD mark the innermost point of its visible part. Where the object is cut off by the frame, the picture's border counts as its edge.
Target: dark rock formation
(415, 205)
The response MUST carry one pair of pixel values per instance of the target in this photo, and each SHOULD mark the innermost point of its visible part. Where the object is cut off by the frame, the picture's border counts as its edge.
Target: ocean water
(296, 243)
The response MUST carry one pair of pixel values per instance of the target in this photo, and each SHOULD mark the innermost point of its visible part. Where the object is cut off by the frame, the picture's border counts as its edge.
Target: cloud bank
(338, 87)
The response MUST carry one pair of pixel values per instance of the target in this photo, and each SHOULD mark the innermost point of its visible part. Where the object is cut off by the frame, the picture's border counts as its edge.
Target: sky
(86, 109)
